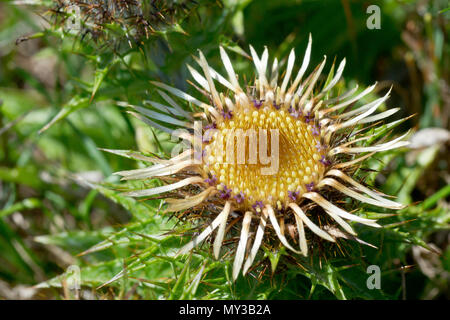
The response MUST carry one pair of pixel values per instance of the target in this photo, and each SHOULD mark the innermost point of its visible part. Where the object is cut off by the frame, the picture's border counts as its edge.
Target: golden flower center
(264, 156)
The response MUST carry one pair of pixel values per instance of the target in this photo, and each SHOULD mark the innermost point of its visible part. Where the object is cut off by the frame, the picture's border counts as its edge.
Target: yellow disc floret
(264, 155)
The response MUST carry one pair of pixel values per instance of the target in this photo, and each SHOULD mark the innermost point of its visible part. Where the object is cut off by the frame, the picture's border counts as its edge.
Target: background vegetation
(61, 206)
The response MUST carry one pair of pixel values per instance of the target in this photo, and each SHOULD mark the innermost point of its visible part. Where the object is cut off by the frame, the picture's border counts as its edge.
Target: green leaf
(74, 104)
(274, 256)
(23, 175)
(100, 75)
(179, 289)
(29, 203)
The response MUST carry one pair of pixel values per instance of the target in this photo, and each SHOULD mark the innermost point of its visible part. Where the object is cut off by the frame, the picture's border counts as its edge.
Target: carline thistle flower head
(266, 154)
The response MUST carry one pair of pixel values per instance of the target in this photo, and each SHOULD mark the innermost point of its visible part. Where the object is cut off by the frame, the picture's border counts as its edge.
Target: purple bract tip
(211, 126)
(325, 161)
(293, 195)
(308, 117)
(211, 181)
(320, 147)
(257, 103)
(227, 114)
(310, 186)
(315, 130)
(294, 113)
(239, 197)
(258, 204)
(225, 193)
(275, 105)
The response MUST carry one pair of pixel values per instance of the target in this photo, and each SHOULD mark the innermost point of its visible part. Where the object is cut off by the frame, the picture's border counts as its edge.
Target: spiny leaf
(179, 289)
(100, 75)
(74, 104)
(26, 204)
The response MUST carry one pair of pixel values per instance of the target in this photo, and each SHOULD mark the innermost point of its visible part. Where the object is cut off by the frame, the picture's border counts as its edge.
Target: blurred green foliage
(60, 205)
